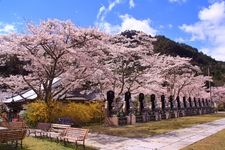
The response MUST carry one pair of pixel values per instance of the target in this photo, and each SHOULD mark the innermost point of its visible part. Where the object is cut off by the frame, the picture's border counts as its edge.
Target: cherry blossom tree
(218, 94)
(181, 77)
(196, 87)
(61, 57)
(55, 50)
(135, 66)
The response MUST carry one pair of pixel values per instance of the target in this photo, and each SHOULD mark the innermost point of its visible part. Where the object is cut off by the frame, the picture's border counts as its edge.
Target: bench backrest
(17, 125)
(65, 120)
(12, 134)
(59, 127)
(78, 133)
(4, 124)
(43, 126)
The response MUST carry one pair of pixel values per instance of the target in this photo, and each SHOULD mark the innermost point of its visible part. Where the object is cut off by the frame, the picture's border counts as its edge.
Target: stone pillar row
(169, 108)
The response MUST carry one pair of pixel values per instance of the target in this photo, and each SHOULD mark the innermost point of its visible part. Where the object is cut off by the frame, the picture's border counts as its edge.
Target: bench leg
(16, 143)
(83, 144)
(64, 142)
(76, 145)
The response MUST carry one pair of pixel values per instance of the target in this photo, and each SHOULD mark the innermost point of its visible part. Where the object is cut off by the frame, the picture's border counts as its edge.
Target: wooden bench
(17, 125)
(12, 135)
(57, 130)
(41, 129)
(74, 135)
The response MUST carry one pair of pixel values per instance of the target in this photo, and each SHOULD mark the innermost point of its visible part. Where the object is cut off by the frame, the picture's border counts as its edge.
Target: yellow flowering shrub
(36, 112)
(82, 113)
(97, 111)
(55, 110)
(79, 113)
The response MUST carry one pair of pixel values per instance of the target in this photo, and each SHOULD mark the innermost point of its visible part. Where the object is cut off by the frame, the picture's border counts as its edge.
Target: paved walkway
(171, 141)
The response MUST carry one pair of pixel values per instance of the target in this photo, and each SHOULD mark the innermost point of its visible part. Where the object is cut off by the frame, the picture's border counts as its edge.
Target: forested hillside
(166, 46)
(217, 68)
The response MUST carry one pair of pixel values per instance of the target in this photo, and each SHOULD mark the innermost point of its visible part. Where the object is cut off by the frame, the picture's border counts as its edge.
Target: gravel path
(170, 141)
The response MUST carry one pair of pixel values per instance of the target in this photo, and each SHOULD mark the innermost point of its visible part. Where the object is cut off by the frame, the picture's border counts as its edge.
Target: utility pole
(210, 92)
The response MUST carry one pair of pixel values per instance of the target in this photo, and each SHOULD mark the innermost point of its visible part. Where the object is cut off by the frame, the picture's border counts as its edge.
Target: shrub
(55, 110)
(79, 113)
(83, 113)
(36, 112)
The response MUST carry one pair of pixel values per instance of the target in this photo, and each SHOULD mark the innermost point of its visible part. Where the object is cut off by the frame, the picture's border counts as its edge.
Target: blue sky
(199, 23)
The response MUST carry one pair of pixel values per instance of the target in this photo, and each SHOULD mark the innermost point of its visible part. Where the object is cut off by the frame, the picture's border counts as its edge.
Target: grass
(213, 142)
(30, 143)
(138, 130)
(156, 127)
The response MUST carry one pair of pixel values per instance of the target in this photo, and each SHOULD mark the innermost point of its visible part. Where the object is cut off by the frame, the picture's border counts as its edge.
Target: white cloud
(128, 23)
(180, 40)
(214, 1)
(215, 52)
(161, 26)
(197, 31)
(213, 14)
(131, 23)
(7, 28)
(177, 1)
(131, 3)
(113, 4)
(103, 11)
(210, 29)
(170, 26)
(108, 28)
(100, 12)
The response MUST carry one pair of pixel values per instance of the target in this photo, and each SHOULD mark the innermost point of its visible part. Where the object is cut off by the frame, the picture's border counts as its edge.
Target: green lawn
(137, 130)
(30, 143)
(213, 142)
(157, 127)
